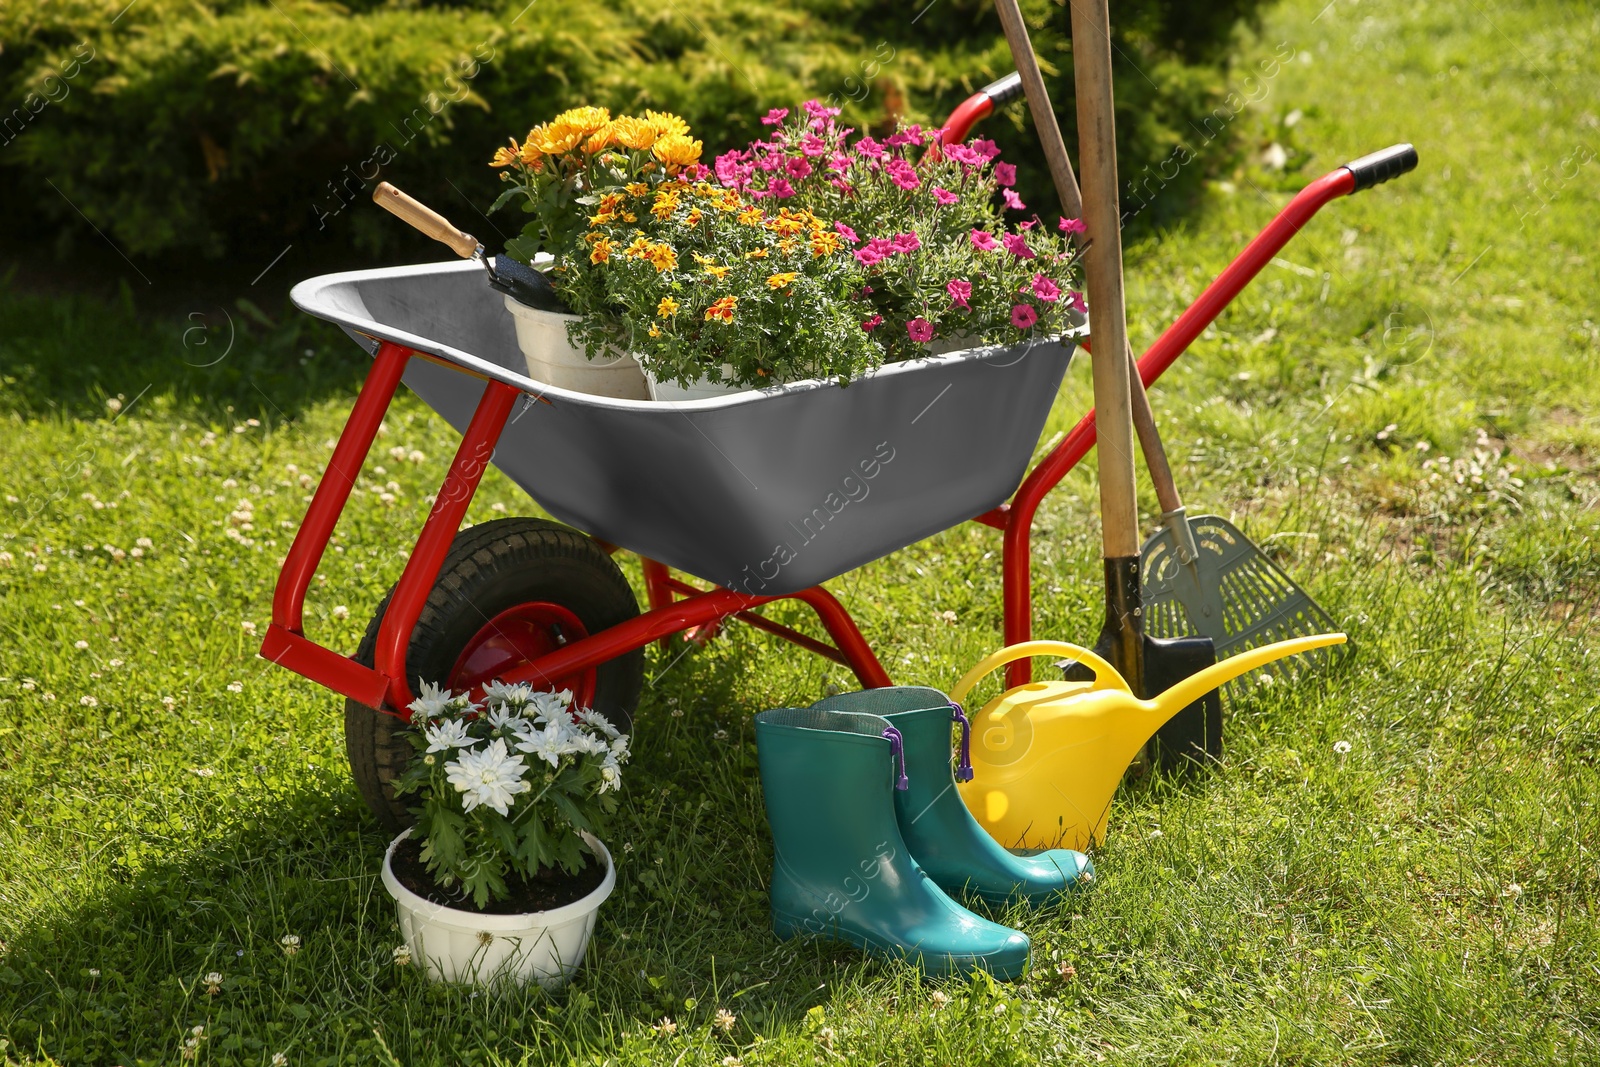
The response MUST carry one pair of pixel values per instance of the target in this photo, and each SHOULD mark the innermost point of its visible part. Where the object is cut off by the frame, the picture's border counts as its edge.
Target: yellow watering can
(1047, 756)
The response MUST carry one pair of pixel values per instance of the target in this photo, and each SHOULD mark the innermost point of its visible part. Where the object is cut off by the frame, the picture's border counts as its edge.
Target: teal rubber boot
(840, 868)
(944, 838)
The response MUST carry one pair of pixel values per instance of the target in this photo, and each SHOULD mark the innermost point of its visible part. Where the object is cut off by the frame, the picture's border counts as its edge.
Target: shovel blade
(1194, 735)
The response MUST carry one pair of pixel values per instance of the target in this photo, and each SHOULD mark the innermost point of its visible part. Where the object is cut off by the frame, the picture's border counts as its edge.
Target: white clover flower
(89, 702)
(939, 999)
(213, 983)
(452, 733)
(247, 626)
(724, 1020)
(94, 972)
(431, 702)
(279, 1060)
(235, 687)
(290, 943)
(80, 645)
(489, 776)
(402, 956)
(340, 612)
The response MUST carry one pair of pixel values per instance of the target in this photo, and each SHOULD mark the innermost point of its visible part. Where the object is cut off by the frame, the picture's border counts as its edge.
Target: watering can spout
(1192, 688)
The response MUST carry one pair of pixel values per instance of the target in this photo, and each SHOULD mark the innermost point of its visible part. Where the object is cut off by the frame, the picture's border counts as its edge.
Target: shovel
(1150, 664)
(517, 280)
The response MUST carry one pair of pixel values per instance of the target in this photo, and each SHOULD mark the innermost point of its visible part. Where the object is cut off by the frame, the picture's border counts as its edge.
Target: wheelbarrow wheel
(509, 590)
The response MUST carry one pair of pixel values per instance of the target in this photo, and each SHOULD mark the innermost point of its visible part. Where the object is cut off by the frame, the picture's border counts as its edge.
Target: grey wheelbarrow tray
(766, 492)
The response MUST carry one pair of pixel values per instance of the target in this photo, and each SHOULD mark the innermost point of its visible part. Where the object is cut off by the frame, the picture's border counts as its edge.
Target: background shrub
(230, 127)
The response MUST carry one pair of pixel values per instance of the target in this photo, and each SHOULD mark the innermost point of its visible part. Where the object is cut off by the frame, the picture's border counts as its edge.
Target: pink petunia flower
(960, 291)
(944, 196)
(869, 148)
(840, 162)
(1017, 246)
(847, 233)
(1045, 289)
(985, 148)
(1026, 224)
(1075, 298)
(872, 323)
(903, 174)
(775, 116)
(983, 240)
(963, 154)
(812, 145)
(907, 242)
(780, 188)
(1023, 316)
(1013, 201)
(868, 256)
(818, 110)
(1005, 173)
(911, 135)
(920, 329)
(1071, 226)
(843, 186)
(798, 168)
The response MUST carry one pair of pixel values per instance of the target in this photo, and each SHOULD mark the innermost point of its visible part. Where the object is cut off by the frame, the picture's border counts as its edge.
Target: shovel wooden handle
(424, 219)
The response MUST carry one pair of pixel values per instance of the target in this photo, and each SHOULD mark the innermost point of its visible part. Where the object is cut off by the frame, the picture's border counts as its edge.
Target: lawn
(1395, 863)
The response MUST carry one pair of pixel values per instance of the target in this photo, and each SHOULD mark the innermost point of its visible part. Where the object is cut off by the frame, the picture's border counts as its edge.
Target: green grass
(1428, 897)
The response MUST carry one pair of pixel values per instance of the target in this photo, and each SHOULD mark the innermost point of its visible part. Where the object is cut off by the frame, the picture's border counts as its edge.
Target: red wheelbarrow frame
(676, 606)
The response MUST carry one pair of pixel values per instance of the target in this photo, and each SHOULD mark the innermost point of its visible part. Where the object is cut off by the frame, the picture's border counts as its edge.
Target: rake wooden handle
(424, 219)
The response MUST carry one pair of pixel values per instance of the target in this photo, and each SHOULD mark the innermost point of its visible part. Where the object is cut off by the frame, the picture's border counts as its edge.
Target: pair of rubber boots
(870, 837)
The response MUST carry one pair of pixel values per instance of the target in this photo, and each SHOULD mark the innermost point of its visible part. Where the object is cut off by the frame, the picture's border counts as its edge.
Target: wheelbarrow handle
(425, 219)
(1378, 167)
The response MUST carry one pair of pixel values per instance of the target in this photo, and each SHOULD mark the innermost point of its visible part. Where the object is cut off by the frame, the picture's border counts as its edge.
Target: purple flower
(780, 188)
(847, 233)
(1075, 298)
(983, 241)
(907, 242)
(920, 329)
(812, 145)
(960, 292)
(1071, 226)
(775, 116)
(872, 323)
(1013, 201)
(903, 174)
(733, 170)
(911, 135)
(963, 154)
(798, 168)
(869, 148)
(985, 148)
(1023, 316)
(1005, 173)
(1017, 246)
(1045, 289)
(944, 196)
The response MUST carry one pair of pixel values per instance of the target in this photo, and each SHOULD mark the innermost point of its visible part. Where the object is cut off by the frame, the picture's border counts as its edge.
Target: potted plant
(502, 875)
(557, 173)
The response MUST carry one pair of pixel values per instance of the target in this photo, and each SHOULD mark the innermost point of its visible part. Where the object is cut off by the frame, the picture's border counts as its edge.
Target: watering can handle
(1105, 675)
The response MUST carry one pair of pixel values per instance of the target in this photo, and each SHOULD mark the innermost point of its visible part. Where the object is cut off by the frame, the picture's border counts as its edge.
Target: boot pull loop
(897, 747)
(964, 765)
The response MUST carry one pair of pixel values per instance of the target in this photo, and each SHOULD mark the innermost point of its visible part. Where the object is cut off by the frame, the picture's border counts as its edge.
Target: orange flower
(662, 257)
(757, 253)
(504, 157)
(778, 281)
(717, 272)
(601, 252)
(611, 202)
(666, 203)
(722, 309)
(668, 306)
(636, 188)
(665, 123)
(637, 134)
(750, 216)
(692, 218)
(676, 150)
(639, 249)
(825, 242)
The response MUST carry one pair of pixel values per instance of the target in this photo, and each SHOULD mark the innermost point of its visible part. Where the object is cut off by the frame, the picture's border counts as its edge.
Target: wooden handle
(1097, 153)
(1155, 453)
(1044, 116)
(425, 219)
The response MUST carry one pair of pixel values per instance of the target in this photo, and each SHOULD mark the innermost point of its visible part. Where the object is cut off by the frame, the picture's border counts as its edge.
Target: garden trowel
(517, 280)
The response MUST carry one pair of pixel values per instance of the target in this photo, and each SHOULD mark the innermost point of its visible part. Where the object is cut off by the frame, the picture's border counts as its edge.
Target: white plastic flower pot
(552, 358)
(452, 945)
(696, 390)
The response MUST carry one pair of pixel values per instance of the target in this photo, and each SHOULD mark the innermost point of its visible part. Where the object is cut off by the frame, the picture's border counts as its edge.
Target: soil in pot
(551, 888)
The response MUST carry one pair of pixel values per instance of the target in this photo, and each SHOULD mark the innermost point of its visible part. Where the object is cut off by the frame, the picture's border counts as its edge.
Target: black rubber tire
(492, 567)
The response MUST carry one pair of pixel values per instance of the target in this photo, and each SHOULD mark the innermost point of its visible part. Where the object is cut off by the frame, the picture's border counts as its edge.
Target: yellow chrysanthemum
(757, 253)
(601, 251)
(637, 134)
(584, 120)
(778, 281)
(504, 157)
(722, 309)
(692, 218)
(665, 205)
(636, 188)
(668, 306)
(666, 124)
(676, 150)
(662, 257)
(611, 202)
(655, 331)
(639, 249)
(600, 140)
(751, 216)
(825, 243)
(601, 219)
(716, 271)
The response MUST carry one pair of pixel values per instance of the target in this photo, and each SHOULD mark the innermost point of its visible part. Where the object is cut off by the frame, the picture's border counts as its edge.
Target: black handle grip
(1005, 90)
(1382, 165)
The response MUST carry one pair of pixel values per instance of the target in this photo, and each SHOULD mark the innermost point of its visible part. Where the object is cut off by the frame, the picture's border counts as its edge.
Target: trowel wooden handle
(1105, 675)
(1044, 116)
(424, 219)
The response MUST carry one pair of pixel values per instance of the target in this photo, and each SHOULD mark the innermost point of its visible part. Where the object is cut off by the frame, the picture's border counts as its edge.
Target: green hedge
(231, 126)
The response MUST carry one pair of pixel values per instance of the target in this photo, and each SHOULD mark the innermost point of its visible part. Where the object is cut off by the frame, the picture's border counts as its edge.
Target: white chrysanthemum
(619, 749)
(516, 697)
(502, 717)
(550, 706)
(549, 744)
(490, 776)
(581, 741)
(599, 722)
(452, 733)
(610, 774)
(432, 701)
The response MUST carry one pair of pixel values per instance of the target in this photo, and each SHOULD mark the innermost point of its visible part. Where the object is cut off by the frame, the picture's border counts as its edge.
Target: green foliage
(237, 125)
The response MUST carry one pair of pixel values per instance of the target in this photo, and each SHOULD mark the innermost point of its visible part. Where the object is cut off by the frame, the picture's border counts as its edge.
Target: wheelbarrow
(763, 496)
